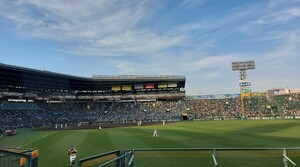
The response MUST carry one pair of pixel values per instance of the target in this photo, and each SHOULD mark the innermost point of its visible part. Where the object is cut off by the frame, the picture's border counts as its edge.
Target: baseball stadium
(142, 120)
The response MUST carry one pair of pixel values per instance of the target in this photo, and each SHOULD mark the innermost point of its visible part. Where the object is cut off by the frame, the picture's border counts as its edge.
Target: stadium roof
(99, 77)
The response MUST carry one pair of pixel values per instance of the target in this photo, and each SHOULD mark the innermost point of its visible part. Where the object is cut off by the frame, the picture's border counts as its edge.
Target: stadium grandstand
(29, 94)
(43, 99)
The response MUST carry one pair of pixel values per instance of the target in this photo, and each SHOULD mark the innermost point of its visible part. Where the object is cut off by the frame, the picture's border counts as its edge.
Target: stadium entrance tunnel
(205, 157)
(184, 116)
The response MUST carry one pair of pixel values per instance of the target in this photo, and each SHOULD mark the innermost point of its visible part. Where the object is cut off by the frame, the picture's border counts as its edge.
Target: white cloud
(281, 55)
(126, 37)
(101, 28)
(192, 3)
(271, 17)
(209, 62)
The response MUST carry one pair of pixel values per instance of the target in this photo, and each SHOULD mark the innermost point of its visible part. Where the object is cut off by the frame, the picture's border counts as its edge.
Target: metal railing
(12, 157)
(217, 157)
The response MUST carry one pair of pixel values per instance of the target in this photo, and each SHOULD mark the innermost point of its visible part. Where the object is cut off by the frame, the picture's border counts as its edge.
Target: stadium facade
(31, 84)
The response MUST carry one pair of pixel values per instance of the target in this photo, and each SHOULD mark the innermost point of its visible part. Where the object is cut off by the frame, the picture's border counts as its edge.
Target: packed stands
(36, 98)
(72, 113)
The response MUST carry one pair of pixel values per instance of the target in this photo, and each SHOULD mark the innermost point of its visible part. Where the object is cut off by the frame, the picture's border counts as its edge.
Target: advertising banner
(149, 86)
(172, 85)
(126, 87)
(162, 85)
(115, 87)
(138, 86)
(246, 90)
(245, 94)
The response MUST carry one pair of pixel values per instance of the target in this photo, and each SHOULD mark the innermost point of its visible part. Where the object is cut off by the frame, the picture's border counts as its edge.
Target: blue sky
(195, 38)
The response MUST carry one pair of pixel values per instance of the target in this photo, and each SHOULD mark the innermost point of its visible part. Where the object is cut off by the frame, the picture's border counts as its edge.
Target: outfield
(53, 145)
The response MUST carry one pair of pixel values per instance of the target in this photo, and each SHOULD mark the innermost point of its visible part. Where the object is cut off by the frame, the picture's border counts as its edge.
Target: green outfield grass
(53, 145)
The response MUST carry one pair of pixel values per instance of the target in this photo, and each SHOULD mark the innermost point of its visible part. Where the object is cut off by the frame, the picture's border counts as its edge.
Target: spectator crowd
(74, 113)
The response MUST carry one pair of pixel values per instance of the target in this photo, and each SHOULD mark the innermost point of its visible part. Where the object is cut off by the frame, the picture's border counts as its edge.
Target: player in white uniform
(155, 133)
(72, 153)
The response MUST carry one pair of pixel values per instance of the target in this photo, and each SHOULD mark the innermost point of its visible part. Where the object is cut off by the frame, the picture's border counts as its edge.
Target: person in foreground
(72, 153)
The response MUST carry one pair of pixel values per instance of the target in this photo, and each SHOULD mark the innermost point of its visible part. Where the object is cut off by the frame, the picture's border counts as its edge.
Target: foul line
(37, 139)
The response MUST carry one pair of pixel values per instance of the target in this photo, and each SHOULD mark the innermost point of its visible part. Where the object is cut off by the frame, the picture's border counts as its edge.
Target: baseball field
(54, 144)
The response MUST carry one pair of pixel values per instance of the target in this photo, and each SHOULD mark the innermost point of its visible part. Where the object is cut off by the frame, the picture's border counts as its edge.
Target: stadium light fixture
(242, 67)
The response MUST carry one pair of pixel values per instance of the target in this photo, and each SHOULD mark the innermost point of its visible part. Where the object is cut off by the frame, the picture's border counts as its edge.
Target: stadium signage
(245, 87)
(245, 94)
(245, 84)
(246, 90)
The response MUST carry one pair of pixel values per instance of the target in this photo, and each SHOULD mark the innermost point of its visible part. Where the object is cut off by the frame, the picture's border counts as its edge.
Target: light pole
(245, 86)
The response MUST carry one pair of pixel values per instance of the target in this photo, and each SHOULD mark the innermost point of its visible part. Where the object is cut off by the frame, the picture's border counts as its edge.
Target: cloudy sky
(195, 38)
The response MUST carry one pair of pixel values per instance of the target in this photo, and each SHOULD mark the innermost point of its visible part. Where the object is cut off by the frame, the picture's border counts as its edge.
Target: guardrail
(217, 157)
(11, 157)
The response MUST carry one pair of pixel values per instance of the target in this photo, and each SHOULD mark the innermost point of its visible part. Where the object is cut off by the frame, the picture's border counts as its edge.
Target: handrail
(131, 160)
(287, 158)
(119, 157)
(215, 160)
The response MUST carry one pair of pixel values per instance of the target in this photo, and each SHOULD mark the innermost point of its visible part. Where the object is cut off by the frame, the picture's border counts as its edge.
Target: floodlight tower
(245, 89)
